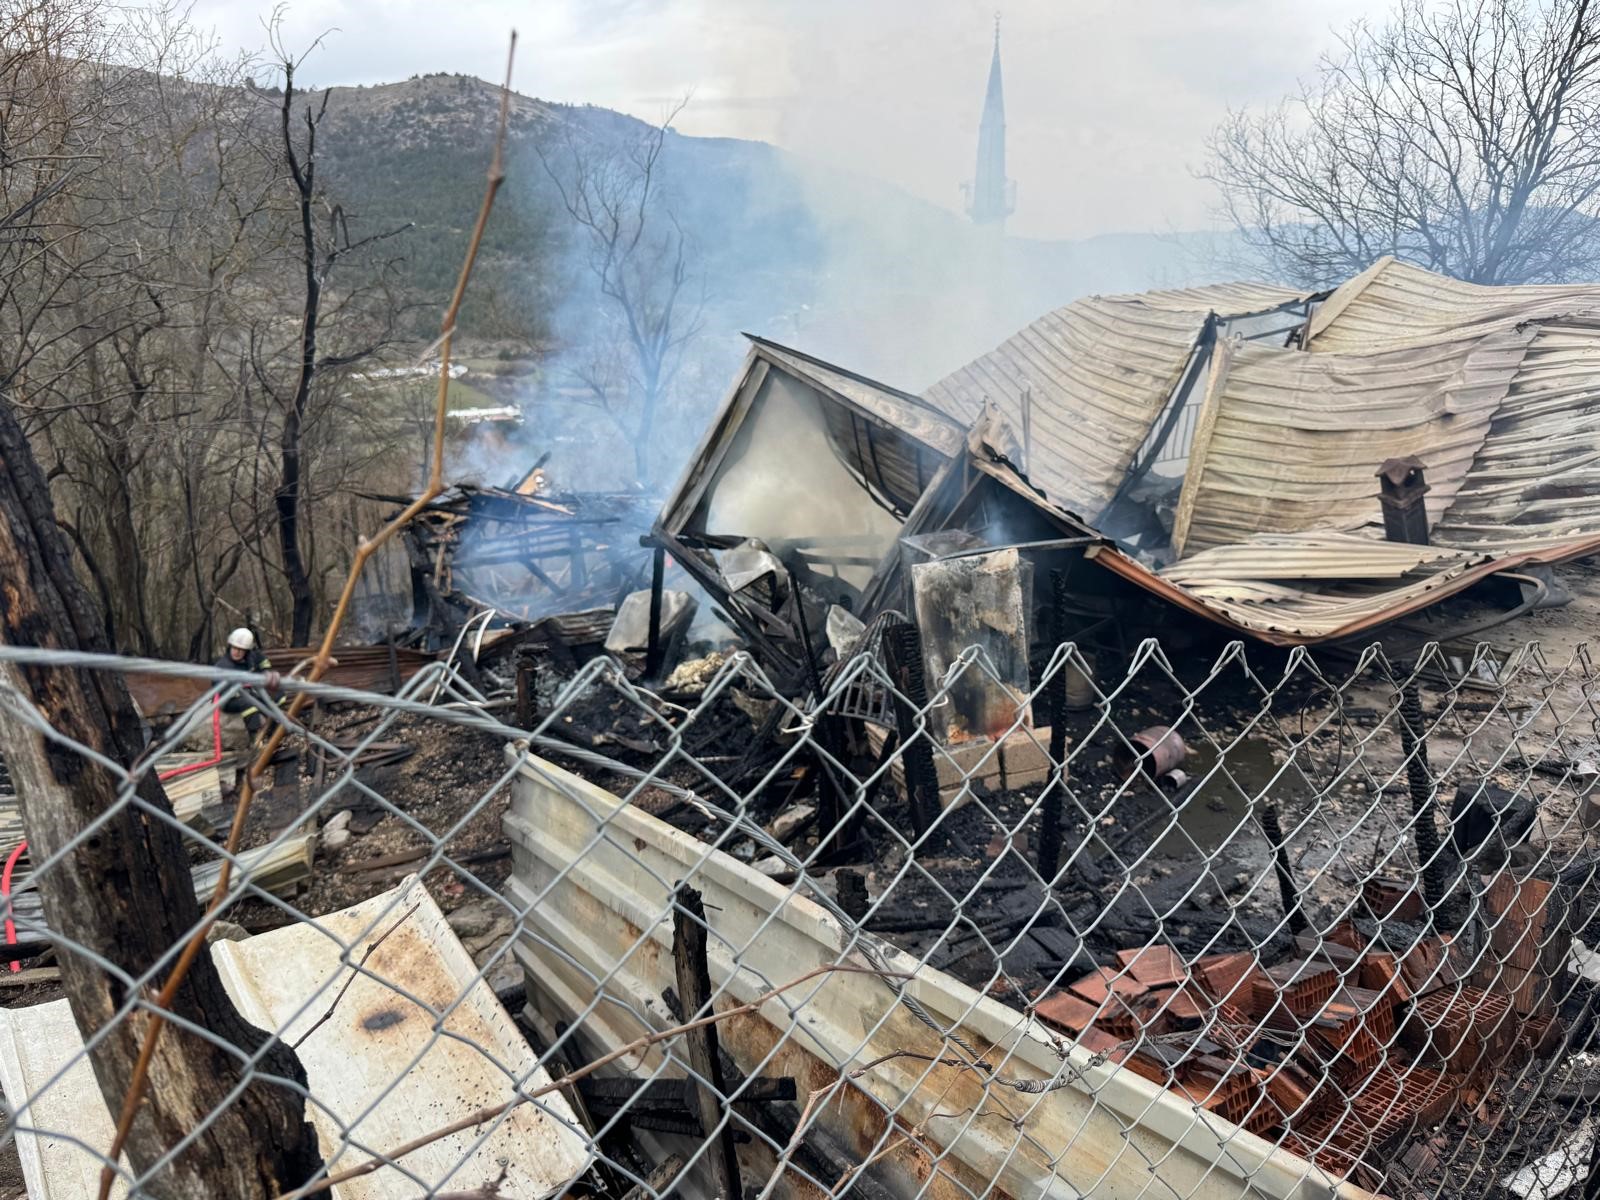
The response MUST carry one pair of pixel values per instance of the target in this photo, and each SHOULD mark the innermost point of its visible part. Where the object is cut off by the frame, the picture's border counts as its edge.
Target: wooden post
(853, 896)
(525, 689)
(394, 664)
(654, 649)
(124, 894)
(1425, 828)
(694, 997)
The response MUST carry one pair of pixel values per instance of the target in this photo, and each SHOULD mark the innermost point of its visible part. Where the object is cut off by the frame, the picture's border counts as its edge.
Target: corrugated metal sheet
(587, 868)
(1292, 441)
(1224, 299)
(1097, 372)
(1392, 305)
(1497, 390)
(1536, 479)
(1347, 579)
(1314, 555)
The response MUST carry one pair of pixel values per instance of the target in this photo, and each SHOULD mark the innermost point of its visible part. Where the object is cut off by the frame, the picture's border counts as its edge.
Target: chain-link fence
(1286, 926)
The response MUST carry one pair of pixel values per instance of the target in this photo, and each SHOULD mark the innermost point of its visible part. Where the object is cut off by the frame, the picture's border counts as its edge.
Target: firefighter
(243, 655)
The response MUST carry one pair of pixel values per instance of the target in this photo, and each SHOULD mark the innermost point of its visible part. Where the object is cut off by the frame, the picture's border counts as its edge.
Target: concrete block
(956, 766)
(1025, 758)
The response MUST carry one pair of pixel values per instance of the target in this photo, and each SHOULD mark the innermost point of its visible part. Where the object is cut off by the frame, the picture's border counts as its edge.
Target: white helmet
(242, 639)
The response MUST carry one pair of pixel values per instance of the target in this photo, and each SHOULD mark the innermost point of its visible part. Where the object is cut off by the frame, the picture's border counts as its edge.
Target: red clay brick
(1181, 1006)
(1287, 993)
(1155, 965)
(1229, 977)
(1103, 981)
(1380, 972)
(1070, 1012)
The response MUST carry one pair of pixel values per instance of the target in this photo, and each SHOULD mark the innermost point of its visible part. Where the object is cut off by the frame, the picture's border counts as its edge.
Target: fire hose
(22, 847)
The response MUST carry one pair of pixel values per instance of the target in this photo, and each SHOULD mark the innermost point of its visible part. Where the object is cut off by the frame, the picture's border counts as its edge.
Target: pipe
(5, 892)
(216, 749)
(1483, 624)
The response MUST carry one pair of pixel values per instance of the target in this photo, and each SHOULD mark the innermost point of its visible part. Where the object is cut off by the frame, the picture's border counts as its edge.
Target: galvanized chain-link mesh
(1283, 926)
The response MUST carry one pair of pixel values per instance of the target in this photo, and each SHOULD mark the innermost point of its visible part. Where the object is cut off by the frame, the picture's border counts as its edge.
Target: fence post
(1056, 702)
(123, 895)
(1419, 780)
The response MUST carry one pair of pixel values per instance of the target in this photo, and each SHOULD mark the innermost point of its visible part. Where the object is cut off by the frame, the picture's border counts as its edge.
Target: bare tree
(650, 304)
(120, 895)
(320, 250)
(1463, 136)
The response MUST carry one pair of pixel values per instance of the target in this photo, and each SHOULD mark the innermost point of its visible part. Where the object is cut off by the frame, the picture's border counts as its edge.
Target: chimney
(1401, 488)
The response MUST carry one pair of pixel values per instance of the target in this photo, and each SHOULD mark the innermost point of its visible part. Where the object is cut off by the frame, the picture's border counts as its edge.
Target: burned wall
(784, 483)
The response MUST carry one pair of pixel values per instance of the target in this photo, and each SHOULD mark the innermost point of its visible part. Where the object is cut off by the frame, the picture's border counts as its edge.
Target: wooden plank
(1221, 359)
(694, 995)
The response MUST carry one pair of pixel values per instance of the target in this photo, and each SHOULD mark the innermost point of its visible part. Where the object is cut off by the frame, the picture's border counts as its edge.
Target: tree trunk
(290, 444)
(647, 427)
(122, 894)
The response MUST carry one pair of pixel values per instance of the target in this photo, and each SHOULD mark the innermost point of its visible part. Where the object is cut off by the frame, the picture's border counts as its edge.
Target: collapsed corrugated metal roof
(1226, 440)
(1495, 389)
(1291, 441)
(1106, 363)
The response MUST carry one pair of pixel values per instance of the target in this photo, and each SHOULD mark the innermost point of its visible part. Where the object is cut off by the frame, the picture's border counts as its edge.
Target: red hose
(22, 847)
(216, 748)
(5, 891)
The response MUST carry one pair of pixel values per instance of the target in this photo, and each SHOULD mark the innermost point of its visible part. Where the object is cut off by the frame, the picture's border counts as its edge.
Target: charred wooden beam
(902, 646)
(693, 973)
(653, 651)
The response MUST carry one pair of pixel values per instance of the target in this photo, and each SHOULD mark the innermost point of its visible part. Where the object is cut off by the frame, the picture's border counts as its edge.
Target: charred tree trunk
(122, 895)
(290, 442)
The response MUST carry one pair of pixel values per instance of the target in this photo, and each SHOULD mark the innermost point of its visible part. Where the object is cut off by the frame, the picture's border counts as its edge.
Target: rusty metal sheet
(370, 1066)
(363, 667)
(381, 1073)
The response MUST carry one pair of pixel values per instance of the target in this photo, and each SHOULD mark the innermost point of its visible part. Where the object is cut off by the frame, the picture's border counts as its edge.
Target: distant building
(991, 196)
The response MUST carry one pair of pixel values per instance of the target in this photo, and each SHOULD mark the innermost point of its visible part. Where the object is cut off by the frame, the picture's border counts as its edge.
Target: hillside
(843, 265)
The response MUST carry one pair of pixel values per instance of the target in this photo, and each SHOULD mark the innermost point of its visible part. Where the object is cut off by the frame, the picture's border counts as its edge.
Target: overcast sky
(1108, 102)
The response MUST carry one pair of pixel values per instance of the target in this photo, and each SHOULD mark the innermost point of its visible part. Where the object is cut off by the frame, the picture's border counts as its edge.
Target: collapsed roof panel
(1536, 479)
(1291, 441)
(1224, 299)
(1393, 304)
(1093, 376)
(813, 470)
(1226, 442)
(1085, 384)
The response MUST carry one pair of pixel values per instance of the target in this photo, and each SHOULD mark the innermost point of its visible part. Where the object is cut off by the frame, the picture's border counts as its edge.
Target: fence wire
(1258, 926)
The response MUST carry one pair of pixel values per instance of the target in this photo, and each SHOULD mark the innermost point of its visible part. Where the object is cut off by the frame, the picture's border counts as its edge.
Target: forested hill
(842, 265)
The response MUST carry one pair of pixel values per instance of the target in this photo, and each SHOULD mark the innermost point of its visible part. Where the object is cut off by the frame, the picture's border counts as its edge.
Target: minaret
(992, 196)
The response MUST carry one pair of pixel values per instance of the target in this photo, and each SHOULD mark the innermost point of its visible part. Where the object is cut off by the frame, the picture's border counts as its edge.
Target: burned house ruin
(1220, 449)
